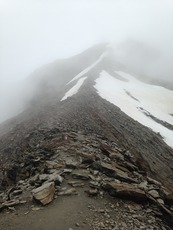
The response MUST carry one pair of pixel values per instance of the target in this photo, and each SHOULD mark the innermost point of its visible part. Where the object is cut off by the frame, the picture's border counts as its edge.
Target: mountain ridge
(65, 119)
(50, 97)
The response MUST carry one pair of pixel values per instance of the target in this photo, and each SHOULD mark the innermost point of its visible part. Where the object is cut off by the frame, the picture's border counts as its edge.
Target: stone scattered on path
(68, 192)
(44, 193)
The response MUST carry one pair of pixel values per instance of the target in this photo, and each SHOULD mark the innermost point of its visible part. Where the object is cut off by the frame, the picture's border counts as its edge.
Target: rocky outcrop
(128, 191)
(63, 167)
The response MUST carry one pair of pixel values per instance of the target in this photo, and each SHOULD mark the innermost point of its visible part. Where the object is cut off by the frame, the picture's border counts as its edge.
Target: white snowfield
(133, 95)
(74, 89)
(83, 72)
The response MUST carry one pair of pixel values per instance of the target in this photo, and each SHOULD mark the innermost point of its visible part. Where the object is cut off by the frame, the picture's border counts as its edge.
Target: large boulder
(127, 191)
(45, 193)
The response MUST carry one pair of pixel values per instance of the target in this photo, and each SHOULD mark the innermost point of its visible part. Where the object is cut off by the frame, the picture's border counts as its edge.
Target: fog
(36, 32)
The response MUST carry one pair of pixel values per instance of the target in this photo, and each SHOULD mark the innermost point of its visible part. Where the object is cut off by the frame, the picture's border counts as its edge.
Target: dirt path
(82, 212)
(64, 213)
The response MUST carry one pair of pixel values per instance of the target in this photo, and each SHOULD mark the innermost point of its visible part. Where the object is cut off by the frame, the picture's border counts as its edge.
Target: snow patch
(74, 89)
(88, 68)
(155, 99)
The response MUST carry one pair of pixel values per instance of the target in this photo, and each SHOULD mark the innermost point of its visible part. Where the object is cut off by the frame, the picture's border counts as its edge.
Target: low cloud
(36, 32)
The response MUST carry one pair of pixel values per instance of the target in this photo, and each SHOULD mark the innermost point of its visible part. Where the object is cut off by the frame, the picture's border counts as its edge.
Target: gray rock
(66, 171)
(154, 194)
(81, 176)
(56, 178)
(76, 183)
(68, 192)
(34, 179)
(143, 185)
(17, 192)
(71, 163)
(52, 164)
(44, 177)
(92, 192)
(160, 201)
(10, 203)
(152, 181)
(113, 154)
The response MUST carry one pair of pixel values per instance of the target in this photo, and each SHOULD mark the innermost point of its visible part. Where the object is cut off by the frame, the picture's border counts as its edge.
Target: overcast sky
(35, 32)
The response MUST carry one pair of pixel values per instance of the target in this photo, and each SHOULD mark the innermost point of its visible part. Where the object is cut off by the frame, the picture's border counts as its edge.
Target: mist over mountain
(146, 61)
(35, 33)
(86, 115)
(138, 58)
(90, 115)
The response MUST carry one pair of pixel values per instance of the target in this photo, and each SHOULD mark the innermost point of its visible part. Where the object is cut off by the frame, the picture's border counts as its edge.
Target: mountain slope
(90, 98)
(67, 90)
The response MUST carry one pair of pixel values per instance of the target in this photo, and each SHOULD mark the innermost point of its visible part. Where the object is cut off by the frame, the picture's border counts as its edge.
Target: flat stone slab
(44, 193)
(128, 191)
